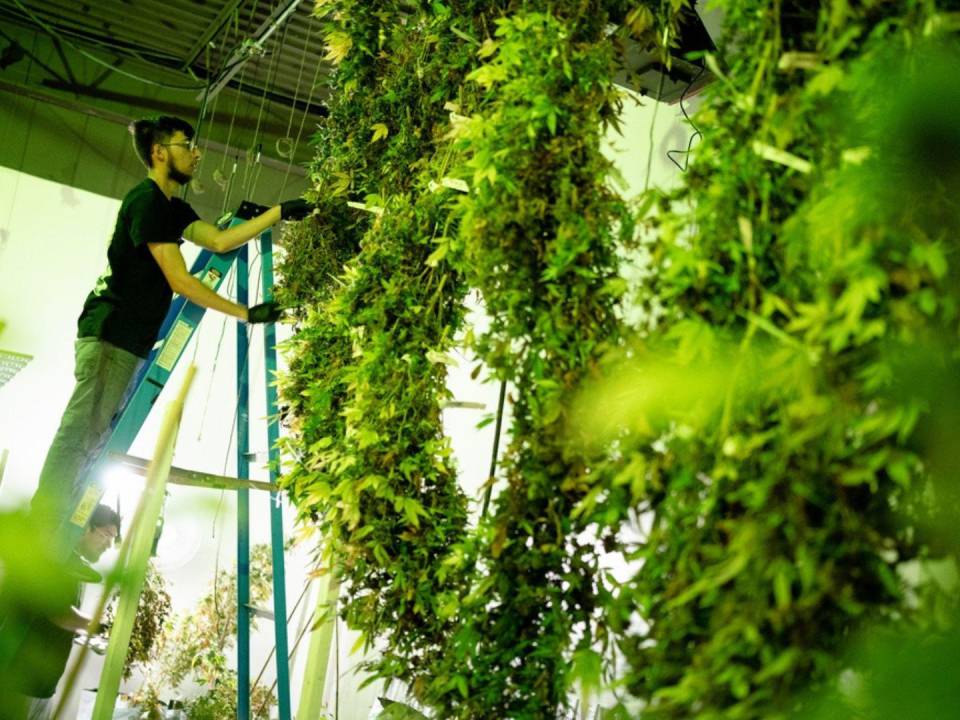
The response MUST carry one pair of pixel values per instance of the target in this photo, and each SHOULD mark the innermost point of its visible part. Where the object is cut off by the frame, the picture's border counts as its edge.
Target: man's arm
(170, 260)
(220, 241)
(73, 620)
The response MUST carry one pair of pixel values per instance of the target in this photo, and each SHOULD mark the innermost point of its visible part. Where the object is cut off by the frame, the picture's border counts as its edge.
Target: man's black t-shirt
(43, 650)
(131, 299)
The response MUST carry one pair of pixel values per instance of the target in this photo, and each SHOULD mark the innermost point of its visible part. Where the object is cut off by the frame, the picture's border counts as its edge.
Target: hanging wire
(248, 331)
(216, 357)
(665, 43)
(233, 117)
(227, 187)
(303, 119)
(248, 104)
(696, 131)
(115, 68)
(233, 31)
(296, 89)
(252, 174)
(653, 123)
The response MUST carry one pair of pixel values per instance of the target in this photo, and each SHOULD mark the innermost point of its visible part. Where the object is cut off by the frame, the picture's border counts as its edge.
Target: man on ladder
(123, 314)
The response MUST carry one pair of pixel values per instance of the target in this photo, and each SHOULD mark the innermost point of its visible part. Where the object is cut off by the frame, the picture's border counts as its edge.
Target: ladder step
(261, 612)
(181, 476)
(466, 404)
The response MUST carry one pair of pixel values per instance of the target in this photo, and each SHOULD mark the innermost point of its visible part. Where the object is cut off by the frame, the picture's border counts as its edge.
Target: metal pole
(243, 499)
(496, 449)
(276, 509)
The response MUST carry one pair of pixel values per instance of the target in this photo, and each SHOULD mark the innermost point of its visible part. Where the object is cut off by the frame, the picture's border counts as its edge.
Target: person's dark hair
(149, 131)
(102, 516)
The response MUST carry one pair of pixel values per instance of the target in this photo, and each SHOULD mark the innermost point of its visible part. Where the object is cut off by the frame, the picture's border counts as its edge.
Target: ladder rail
(276, 510)
(243, 498)
(178, 328)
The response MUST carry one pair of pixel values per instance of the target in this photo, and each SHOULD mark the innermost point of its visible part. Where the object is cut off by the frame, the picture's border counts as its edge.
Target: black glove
(267, 312)
(296, 209)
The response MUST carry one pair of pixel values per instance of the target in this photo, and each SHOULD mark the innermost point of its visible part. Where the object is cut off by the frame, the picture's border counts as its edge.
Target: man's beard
(176, 175)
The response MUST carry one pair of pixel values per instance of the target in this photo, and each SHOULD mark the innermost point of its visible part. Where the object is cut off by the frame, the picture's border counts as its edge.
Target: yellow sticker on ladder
(85, 507)
(176, 341)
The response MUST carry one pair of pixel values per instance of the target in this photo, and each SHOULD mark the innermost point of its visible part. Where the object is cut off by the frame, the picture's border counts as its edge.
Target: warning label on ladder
(86, 506)
(174, 345)
(211, 278)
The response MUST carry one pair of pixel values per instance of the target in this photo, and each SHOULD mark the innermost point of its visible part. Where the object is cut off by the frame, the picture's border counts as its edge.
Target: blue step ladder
(178, 328)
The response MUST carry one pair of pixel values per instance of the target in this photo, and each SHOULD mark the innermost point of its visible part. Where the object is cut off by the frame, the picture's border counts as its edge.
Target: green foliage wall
(428, 97)
(537, 236)
(366, 383)
(801, 264)
(762, 437)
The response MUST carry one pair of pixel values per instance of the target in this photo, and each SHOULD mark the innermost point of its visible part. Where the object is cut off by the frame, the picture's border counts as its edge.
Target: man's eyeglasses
(191, 145)
(107, 533)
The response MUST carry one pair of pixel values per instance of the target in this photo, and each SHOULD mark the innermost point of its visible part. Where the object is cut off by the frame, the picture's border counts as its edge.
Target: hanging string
(248, 331)
(296, 89)
(216, 356)
(656, 107)
(250, 181)
(303, 119)
(233, 32)
(228, 183)
(307, 626)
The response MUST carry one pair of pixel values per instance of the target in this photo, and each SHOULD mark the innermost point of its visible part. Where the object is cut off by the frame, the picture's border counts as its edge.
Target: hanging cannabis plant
(507, 102)
(537, 236)
(772, 444)
(153, 609)
(367, 379)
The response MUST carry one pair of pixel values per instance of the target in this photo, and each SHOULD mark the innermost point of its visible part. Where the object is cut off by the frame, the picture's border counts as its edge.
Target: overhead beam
(63, 60)
(155, 104)
(113, 117)
(180, 476)
(211, 32)
(107, 72)
(33, 57)
(243, 53)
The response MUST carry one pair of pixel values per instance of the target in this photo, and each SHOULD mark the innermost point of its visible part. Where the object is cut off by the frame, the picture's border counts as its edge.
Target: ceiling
(254, 66)
(252, 69)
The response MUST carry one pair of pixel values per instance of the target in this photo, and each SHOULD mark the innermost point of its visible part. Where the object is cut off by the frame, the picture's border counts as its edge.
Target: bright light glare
(179, 542)
(122, 485)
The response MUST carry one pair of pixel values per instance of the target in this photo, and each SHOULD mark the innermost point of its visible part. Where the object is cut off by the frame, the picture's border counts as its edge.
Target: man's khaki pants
(103, 373)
